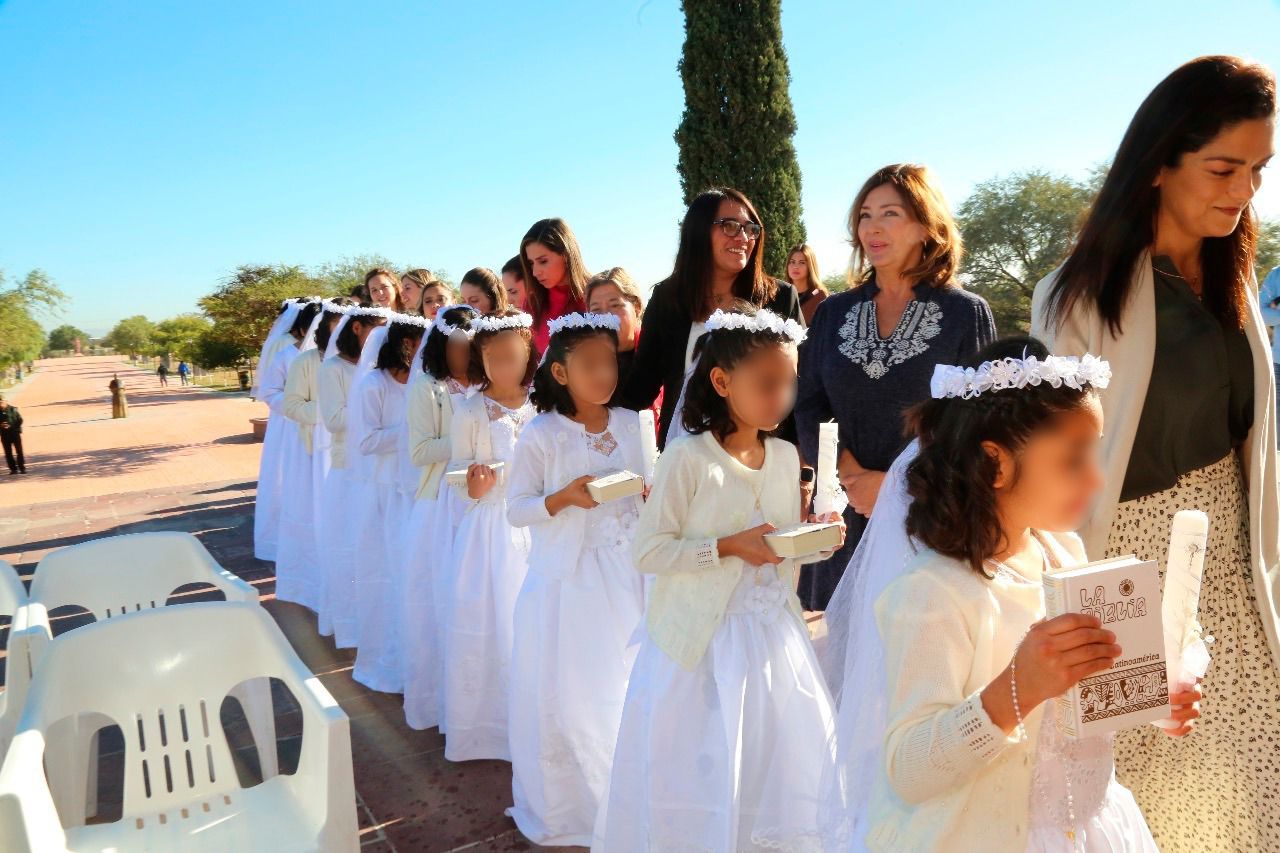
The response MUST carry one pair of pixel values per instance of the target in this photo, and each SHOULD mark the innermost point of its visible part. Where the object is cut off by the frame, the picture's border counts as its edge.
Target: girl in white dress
(298, 572)
(971, 756)
(490, 557)
(379, 399)
(583, 598)
(270, 390)
(341, 488)
(440, 381)
(727, 728)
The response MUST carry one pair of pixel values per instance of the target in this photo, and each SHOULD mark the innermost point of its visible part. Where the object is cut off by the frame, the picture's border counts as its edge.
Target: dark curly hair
(704, 409)
(478, 376)
(323, 332)
(951, 482)
(400, 338)
(435, 358)
(548, 394)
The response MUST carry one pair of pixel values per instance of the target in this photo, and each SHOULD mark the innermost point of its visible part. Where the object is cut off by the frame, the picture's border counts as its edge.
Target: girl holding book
(727, 726)
(491, 558)
(970, 757)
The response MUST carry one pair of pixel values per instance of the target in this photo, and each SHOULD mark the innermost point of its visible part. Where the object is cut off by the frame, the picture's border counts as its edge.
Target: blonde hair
(811, 263)
(943, 248)
(620, 279)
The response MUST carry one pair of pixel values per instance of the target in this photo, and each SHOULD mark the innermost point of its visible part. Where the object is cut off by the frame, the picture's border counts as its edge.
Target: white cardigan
(1132, 356)
(952, 780)
(300, 395)
(551, 453)
(381, 400)
(333, 388)
(429, 412)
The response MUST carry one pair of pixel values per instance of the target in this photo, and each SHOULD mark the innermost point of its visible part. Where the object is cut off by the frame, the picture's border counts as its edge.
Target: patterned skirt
(1219, 787)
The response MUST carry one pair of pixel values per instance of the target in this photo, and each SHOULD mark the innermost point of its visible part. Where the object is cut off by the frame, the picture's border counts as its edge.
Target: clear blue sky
(148, 148)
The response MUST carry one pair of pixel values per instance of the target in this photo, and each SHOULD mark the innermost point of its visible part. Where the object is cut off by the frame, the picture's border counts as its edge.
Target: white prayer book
(802, 540)
(1124, 593)
(611, 487)
(456, 475)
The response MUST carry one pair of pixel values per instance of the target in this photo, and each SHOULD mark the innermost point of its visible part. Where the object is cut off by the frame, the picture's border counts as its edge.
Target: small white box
(457, 473)
(804, 539)
(611, 487)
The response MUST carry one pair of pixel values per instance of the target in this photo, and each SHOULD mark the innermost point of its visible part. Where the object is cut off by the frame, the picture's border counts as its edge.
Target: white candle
(1185, 653)
(648, 444)
(828, 495)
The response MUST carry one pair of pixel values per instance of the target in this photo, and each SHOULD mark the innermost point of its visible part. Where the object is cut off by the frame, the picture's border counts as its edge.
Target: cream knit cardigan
(1131, 356)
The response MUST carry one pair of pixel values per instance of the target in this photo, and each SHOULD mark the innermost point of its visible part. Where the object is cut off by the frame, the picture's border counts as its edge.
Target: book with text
(1124, 593)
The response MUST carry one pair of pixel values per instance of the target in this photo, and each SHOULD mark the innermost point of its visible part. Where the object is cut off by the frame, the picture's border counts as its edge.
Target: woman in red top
(555, 277)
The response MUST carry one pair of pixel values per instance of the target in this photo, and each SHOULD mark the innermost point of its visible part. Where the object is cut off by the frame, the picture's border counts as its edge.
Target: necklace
(1193, 283)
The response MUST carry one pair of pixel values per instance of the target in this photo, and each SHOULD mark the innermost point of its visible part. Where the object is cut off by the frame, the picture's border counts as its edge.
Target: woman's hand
(749, 546)
(480, 481)
(574, 494)
(862, 490)
(1053, 657)
(1185, 710)
(830, 518)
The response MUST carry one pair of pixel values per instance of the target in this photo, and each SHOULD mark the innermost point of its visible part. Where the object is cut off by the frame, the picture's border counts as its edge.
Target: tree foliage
(246, 304)
(133, 335)
(1268, 257)
(21, 304)
(180, 336)
(738, 121)
(1017, 229)
(64, 338)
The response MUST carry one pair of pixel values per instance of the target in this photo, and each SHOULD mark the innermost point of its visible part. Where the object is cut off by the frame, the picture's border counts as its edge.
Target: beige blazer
(429, 412)
(1131, 356)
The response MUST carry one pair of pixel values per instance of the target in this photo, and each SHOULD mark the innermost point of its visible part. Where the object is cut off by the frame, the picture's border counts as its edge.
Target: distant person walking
(119, 403)
(184, 372)
(163, 372)
(11, 437)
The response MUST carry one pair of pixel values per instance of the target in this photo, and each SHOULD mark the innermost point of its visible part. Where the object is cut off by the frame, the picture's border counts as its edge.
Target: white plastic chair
(181, 791)
(17, 664)
(113, 576)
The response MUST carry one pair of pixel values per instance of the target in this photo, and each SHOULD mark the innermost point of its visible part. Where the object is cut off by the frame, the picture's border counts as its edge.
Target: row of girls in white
(510, 611)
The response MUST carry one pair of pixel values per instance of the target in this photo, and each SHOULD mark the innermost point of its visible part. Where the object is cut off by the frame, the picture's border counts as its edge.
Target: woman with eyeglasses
(720, 260)
(871, 350)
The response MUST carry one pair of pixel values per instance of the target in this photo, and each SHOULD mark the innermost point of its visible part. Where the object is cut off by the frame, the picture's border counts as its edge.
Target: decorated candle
(648, 444)
(1185, 650)
(828, 495)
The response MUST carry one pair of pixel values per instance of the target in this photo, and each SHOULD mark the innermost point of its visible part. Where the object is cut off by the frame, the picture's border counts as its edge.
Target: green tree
(180, 336)
(738, 121)
(339, 278)
(133, 335)
(1268, 257)
(1017, 229)
(836, 282)
(21, 303)
(247, 303)
(64, 338)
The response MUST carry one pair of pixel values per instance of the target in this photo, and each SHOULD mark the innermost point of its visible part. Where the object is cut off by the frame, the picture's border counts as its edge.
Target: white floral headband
(408, 319)
(369, 311)
(763, 320)
(1056, 370)
(447, 329)
(583, 321)
(502, 324)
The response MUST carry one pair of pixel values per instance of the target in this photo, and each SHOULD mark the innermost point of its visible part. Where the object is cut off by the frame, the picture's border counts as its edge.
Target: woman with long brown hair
(1160, 282)
(871, 351)
(802, 272)
(554, 274)
(719, 261)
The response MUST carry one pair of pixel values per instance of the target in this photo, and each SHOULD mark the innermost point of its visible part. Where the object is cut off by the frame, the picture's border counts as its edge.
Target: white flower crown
(446, 328)
(369, 311)
(764, 320)
(409, 319)
(502, 324)
(1056, 370)
(583, 321)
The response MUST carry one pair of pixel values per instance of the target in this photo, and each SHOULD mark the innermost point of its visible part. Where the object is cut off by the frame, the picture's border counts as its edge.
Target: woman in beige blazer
(1160, 283)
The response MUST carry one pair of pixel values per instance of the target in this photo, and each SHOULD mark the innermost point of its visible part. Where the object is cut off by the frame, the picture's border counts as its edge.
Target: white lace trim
(1057, 370)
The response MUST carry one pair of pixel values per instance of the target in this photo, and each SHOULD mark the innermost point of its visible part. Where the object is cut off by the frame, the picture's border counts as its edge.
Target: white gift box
(801, 540)
(611, 487)
(457, 473)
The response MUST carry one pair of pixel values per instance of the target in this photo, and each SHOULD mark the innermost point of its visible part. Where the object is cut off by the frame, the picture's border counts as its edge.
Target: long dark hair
(704, 409)
(1181, 115)
(952, 481)
(348, 343)
(435, 353)
(490, 284)
(694, 266)
(548, 395)
(394, 354)
(557, 236)
(302, 323)
(323, 332)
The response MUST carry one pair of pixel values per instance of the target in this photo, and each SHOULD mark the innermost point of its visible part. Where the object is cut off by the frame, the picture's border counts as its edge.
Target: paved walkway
(173, 436)
(167, 467)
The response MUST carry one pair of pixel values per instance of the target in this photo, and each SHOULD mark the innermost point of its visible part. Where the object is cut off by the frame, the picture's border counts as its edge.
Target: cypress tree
(738, 122)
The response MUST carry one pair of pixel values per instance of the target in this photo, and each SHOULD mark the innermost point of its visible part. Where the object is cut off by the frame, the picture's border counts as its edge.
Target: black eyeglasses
(733, 227)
